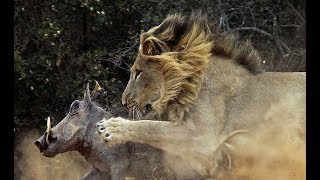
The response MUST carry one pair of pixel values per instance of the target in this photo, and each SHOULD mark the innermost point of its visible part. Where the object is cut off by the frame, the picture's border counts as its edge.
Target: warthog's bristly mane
(183, 46)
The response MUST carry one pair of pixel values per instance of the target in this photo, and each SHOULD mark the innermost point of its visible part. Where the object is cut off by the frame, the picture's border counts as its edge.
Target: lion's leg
(180, 140)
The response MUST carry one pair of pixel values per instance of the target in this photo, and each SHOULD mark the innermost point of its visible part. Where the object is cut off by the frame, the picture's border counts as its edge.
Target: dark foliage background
(59, 46)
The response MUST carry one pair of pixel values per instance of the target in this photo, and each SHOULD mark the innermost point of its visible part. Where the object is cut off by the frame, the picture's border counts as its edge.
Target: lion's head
(167, 74)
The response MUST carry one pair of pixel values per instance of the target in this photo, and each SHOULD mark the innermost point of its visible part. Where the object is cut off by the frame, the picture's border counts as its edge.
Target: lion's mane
(187, 45)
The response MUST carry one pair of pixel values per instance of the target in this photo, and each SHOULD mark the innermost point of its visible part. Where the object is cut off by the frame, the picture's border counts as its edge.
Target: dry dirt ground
(30, 164)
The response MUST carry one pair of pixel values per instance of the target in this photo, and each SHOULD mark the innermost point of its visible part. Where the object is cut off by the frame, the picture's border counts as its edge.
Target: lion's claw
(113, 131)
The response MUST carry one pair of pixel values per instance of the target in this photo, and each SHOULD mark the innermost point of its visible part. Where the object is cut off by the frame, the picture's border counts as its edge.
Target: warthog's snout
(42, 144)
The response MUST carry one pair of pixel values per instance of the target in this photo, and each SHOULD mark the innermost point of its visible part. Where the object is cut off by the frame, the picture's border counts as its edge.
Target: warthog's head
(73, 131)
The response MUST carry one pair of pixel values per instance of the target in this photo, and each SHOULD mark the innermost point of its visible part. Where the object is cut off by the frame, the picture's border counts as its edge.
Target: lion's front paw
(113, 131)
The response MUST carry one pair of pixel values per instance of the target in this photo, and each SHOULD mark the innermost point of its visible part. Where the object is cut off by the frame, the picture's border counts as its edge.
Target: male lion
(205, 99)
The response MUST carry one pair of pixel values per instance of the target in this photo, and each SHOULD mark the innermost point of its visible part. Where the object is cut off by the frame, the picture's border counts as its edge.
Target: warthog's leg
(119, 169)
(95, 174)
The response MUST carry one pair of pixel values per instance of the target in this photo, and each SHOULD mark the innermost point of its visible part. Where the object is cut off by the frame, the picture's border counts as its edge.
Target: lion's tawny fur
(206, 85)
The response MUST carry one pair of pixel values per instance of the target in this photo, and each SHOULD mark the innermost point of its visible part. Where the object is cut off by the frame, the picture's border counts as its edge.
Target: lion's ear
(153, 46)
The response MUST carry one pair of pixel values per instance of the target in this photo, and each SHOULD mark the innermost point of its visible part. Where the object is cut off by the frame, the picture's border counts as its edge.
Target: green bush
(59, 46)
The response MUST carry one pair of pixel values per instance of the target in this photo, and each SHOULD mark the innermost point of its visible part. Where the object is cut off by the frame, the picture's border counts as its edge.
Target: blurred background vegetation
(60, 45)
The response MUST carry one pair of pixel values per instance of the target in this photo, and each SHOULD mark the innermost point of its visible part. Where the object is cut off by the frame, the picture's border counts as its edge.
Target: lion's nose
(124, 102)
(124, 99)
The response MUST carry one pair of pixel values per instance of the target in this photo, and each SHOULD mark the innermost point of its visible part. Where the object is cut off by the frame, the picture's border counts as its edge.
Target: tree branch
(117, 60)
(262, 32)
(294, 9)
(254, 29)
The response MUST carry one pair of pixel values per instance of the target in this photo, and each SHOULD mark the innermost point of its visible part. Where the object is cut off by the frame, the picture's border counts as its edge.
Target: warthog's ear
(86, 97)
(152, 46)
(97, 89)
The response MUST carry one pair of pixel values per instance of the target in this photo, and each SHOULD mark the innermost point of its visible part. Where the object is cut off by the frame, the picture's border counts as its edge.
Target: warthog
(77, 132)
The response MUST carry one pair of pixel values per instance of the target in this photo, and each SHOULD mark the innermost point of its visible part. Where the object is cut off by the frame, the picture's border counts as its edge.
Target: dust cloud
(30, 164)
(270, 154)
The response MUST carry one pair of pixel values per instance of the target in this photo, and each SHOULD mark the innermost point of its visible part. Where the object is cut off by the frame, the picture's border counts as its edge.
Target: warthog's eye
(74, 107)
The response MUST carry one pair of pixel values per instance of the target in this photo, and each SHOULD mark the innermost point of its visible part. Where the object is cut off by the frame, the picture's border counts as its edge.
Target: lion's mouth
(139, 113)
(147, 109)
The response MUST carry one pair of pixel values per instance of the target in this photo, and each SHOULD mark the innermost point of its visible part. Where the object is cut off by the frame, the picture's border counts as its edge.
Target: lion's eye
(137, 74)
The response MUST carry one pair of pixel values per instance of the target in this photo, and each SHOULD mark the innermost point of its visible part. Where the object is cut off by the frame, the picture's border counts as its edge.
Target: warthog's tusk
(48, 130)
